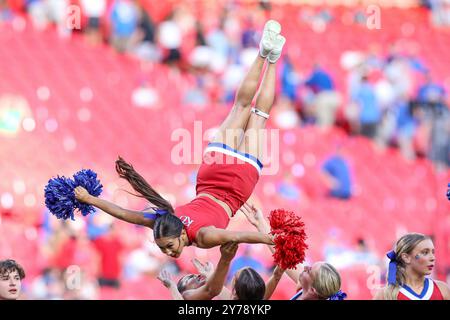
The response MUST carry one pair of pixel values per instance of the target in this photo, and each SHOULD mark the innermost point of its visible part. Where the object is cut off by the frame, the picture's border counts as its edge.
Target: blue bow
(158, 213)
(392, 273)
(338, 296)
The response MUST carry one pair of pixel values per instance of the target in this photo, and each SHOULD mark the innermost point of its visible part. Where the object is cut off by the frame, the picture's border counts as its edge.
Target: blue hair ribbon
(158, 213)
(392, 273)
(338, 296)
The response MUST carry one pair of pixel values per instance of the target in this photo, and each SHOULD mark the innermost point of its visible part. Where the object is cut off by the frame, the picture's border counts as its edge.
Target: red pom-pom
(290, 237)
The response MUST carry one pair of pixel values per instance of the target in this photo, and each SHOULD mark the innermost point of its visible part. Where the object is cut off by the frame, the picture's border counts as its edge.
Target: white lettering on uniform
(187, 221)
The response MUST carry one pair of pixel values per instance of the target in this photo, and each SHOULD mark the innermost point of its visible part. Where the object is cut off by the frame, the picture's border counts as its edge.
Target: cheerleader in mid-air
(411, 262)
(227, 176)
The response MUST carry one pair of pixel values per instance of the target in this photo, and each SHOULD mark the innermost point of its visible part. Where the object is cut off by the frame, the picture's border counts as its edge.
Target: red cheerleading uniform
(229, 176)
(201, 212)
(430, 291)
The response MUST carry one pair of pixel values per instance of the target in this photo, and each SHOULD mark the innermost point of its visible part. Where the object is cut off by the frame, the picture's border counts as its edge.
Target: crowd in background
(391, 99)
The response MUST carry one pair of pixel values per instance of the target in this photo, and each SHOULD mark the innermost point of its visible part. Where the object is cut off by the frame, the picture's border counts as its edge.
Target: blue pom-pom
(87, 179)
(60, 198)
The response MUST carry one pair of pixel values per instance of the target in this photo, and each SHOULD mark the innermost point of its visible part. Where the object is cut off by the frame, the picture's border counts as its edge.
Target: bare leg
(252, 142)
(232, 129)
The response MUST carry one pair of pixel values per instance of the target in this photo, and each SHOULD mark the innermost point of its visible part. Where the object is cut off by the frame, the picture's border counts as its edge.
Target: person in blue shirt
(124, 23)
(430, 92)
(319, 80)
(325, 99)
(336, 174)
(289, 82)
(369, 108)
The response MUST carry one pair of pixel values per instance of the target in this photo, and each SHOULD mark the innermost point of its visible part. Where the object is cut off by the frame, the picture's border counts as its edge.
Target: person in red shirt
(109, 248)
(227, 176)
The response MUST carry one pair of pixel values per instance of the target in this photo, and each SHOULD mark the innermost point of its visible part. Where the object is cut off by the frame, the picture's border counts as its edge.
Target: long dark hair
(249, 285)
(167, 225)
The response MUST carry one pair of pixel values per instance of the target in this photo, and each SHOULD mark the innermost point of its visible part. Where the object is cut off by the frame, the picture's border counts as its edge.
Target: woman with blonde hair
(411, 261)
(321, 281)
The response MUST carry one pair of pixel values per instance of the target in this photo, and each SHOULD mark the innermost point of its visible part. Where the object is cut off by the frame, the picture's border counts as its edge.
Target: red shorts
(228, 175)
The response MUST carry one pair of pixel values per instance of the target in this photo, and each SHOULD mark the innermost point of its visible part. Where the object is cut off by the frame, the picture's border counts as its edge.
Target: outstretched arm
(273, 282)
(209, 237)
(255, 216)
(135, 217)
(166, 278)
(214, 284)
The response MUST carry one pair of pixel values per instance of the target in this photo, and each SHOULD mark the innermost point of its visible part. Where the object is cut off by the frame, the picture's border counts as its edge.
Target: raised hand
(82, 195)
(228, 250)
(278, 271)
(206, 269)
(166, 278)
(253, 214)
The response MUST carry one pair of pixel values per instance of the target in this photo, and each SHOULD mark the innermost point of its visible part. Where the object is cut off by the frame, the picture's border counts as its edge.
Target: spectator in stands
(218, 41)
(326, 98)
(369, 109)
(430, 93)
(431, 97)
(289, 80)
(64, 244)
(56, 12)
(124, 23)
(439, 121)
(440, 11)
(94, 11)
(11, 276)
(49, 285)
(110, 249)
(337, 176)
(406, 126)
(201, 56)
(38, 12)
(146, 48)
(170, 38)
(249, 34)
(146, 24)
